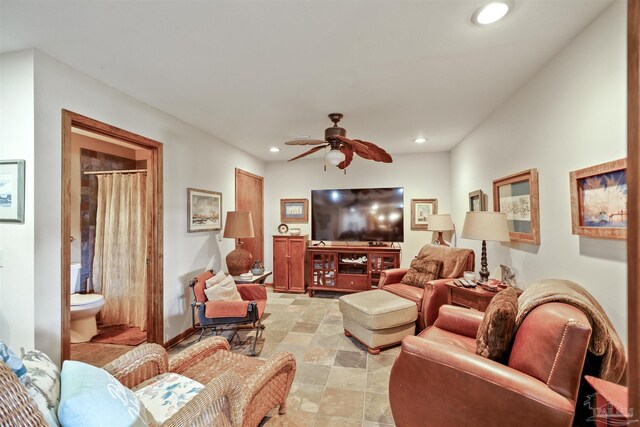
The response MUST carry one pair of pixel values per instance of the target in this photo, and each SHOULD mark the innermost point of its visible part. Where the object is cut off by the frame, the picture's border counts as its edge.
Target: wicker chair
(239, 390)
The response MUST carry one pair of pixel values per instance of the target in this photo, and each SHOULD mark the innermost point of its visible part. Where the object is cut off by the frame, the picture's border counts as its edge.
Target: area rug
(120, 334)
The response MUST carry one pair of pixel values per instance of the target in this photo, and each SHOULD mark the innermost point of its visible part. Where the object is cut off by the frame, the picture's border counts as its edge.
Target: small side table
(259, 279)
(610, 403)
(475, 298)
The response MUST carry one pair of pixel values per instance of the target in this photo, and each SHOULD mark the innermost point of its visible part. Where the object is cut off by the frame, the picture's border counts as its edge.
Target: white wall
(571, 115)
(16, 240)
(423, 176)
(191, 159)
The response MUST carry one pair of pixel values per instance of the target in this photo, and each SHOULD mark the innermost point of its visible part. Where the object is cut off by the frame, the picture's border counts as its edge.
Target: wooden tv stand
(348, 269)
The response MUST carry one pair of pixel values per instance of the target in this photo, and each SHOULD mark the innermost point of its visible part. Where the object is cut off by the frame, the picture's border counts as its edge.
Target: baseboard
(175, 340)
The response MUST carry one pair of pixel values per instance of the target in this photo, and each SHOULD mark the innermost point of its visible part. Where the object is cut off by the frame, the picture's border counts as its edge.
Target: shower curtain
(119, 262)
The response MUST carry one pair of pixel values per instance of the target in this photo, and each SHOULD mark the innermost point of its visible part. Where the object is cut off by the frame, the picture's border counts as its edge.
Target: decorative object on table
(204, 210)
(485, 226)
(341, 148)
(283, 228)
(477, 201)
(517, 196)
(469, 275)
(294, 210)
(440, 223)
(12, 191)
(295, 231)
(421, 210)
(257, 268)
(599, 200)
(239, 225)
(507, 275)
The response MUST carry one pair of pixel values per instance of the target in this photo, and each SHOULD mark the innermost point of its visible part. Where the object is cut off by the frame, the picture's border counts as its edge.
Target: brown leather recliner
(438, 380)
(455, 262)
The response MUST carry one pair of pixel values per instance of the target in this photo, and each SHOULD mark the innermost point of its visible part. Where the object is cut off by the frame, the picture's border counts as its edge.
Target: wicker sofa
(239, 390)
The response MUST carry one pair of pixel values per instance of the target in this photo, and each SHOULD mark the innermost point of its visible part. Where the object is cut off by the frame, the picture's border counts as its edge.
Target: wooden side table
(476, 298)
(259, 279)
(610, 404)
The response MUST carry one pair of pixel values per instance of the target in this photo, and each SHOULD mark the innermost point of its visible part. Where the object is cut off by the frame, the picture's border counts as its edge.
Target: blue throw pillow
(91, 396)
(14, 362)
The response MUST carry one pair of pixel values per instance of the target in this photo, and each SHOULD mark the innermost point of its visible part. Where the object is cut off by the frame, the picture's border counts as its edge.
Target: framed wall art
(421, 209)
(12, 191)
(204, 210)
(599, 200)
(517, 196)
(294, 210)
(477, 201)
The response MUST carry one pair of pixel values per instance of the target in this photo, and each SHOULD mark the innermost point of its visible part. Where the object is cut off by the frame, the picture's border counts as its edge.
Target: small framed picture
(517, 196)
(421, 209)
(204, 210)
(477, 201)
(599, 200)
(12, 191)
(294, 210)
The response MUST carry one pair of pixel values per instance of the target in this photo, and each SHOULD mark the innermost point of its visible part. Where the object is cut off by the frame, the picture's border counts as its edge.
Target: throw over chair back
(455, 261)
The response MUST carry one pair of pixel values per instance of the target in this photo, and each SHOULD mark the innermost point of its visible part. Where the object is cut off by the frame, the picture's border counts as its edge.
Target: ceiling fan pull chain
(325, 167)
(345, 171)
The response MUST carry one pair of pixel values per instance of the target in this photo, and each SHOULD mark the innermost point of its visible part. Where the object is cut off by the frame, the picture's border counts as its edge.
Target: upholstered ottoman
(378, 318)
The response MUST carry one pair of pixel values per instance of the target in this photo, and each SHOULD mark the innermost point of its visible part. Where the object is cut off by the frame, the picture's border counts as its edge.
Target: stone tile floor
(337, 382)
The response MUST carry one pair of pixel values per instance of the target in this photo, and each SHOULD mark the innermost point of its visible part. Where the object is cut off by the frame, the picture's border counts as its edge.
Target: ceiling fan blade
(348, 156)
(378, 154)
(305, 142)
(360, 149)
(306, 153)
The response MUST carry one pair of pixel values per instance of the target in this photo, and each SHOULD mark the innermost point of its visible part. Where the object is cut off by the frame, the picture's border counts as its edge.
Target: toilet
(84, 308)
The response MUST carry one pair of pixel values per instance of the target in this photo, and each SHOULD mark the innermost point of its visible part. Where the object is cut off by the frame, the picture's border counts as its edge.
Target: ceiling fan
(342, 148)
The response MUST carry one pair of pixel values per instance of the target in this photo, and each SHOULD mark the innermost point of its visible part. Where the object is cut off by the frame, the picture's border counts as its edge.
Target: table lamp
(485, 226)
(440, 223)
(238, 225)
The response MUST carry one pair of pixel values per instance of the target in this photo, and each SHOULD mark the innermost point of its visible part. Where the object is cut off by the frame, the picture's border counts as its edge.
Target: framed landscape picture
(204, 210)
(477, 201)
(12, 191)
(517, 196)
(599, 200)
(421, 209)
(294, 210)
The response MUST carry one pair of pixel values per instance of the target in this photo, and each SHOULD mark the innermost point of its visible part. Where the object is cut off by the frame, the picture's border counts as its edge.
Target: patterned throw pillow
(13, 361)
(495, 334)
(43, 382)
(421, 271)
(165, 394)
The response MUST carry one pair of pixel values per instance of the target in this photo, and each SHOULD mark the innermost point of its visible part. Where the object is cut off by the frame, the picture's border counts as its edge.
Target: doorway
(113, 145)
(249, 197)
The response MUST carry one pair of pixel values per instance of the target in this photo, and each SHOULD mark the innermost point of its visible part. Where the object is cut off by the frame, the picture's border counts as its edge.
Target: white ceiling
(254, 73)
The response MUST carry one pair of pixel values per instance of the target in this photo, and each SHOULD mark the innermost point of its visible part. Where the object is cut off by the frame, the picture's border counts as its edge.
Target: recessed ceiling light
(420, 140)
(491, 12)
(274, 149)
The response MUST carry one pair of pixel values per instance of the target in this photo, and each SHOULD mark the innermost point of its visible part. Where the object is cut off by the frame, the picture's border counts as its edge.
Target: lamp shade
(238, 225)
(486, 226)
(440, 222)
(334, 157)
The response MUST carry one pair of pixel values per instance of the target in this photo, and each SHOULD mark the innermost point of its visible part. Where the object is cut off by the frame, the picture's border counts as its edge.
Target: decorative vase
(257, 268)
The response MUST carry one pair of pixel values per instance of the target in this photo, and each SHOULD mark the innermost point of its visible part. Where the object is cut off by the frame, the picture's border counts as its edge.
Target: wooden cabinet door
(297, 249)
(280, 263)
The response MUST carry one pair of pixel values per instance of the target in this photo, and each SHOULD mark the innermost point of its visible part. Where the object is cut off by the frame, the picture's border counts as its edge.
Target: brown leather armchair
(455, 262)
(438, 380)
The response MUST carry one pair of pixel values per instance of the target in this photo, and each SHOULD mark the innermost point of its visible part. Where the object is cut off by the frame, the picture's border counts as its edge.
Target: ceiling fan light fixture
(491, 12)
(334, 157)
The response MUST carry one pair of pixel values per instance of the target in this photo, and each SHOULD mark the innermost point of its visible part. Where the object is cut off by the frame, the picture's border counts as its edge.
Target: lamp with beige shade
(239, 225)
(485, 226)
(440, 223)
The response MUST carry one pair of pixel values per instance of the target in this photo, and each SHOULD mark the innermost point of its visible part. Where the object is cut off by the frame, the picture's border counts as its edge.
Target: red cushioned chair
(219, 316)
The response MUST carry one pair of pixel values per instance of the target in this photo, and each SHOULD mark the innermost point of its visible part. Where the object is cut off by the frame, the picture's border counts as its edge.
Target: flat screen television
(361, 215)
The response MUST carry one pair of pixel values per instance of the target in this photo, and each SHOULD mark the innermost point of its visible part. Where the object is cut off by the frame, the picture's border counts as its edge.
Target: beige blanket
(604, 341)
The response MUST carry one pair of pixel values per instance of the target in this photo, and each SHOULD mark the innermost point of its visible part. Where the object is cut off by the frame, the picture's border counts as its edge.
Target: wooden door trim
(633, 182)
(155, 307)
